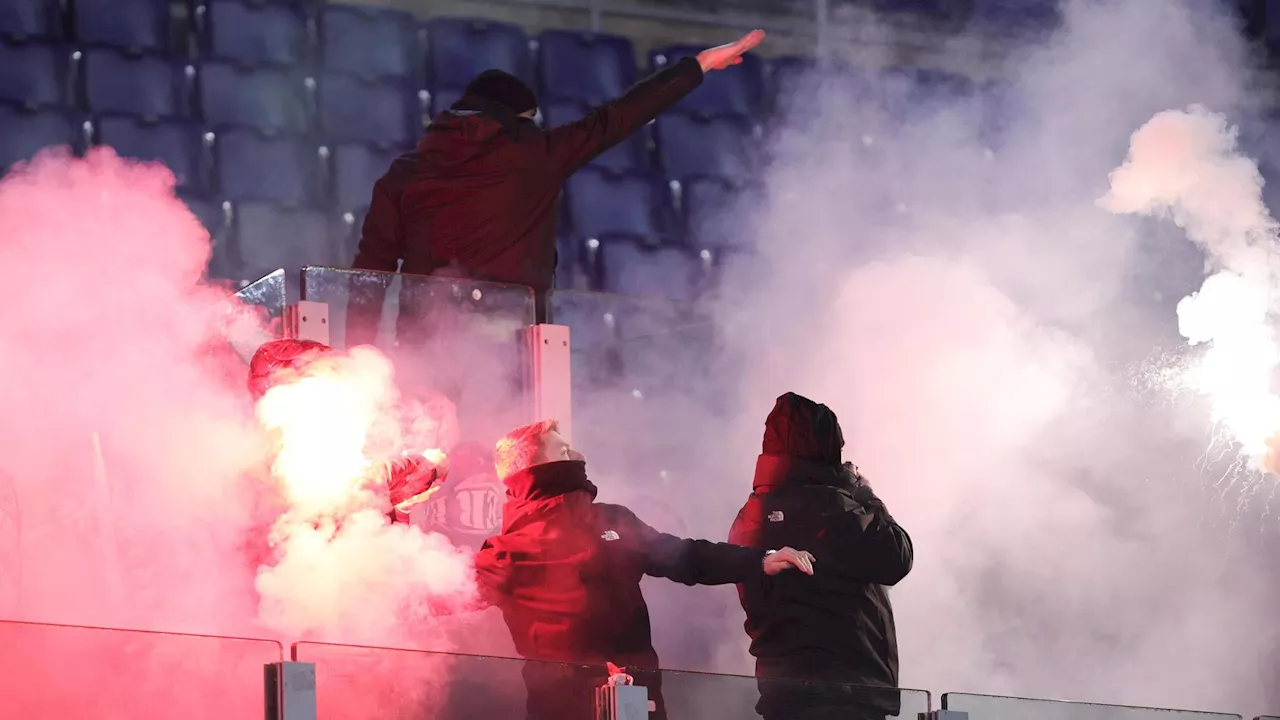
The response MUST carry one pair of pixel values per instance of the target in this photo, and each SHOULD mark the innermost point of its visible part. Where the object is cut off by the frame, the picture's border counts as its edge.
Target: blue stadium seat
(256, 33)
(1016, 14)
(355, 169)
(369, 42)
(737, 90)
(22, 20)
(458, 49)
(148, 86)
(709, 206)
(692, 146)
(175, 144)
(210, 213)
(253, 167)
(570, 271)
(25, 132)
(357, 110)
(583, 66)
(632, 268)
(270, 100)
(33, 75)
(133, 25)
(268, 237)
(630, 155)
(601, 203)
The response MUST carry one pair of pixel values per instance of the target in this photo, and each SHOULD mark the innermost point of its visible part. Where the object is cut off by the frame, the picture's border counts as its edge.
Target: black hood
(801, 428)
(534, 486)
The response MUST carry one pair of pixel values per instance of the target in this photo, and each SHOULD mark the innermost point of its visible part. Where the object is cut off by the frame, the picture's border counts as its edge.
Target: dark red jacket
(566, 570)
(479, 193)
(836, 624)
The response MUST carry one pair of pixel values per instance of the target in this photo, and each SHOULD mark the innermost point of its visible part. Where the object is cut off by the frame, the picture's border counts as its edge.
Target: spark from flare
(1185, 165)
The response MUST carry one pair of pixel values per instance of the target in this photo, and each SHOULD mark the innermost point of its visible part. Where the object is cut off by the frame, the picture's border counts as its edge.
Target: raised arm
(702, 562)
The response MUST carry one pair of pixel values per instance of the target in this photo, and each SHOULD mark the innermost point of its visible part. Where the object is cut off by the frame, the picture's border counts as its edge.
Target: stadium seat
(630, 155)
(601, 203)
(268, 237)
(210, 213)
(22, 20)
(570, 272)
(33, 75)
(632, 268)
(148, 86)
(710, 222)
(355, 169)
(692, 146)
(582, 66)
(253, 167)
(369, 42)
(254, 33)
(24, 132)
(458, 49)
(133, 25)
(269, 100)
(737, 90)
(175, 144)
(357, 110)
(1015, 15)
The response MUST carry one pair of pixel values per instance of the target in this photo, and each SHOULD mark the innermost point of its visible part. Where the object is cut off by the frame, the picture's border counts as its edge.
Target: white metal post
(307, 320)
(291, 691)
(549, 375)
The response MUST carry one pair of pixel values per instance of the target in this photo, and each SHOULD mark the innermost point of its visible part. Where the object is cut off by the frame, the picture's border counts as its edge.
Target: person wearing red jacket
(565, 571)
(478, 197)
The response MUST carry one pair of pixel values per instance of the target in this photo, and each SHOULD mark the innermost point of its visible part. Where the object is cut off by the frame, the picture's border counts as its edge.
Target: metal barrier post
(549, 372)
(943, 715)
(291, 691)
(307, 320)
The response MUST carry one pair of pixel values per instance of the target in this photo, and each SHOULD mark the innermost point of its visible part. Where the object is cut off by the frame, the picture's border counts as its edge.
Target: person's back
(837, 625)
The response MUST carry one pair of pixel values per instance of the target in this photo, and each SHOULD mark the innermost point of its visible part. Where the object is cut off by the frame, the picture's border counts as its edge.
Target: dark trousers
(568, 692)
(805, 700)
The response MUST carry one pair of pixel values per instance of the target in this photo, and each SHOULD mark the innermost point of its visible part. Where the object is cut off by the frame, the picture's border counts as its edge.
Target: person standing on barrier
(478, 197)
(836, 627)
(565, 572)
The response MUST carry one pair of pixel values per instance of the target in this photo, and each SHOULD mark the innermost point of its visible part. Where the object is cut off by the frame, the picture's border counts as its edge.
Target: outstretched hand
(730, 54)
(788, 558)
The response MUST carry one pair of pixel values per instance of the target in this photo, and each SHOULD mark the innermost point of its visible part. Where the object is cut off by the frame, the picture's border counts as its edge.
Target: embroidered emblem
(775, 516)
(609, 536)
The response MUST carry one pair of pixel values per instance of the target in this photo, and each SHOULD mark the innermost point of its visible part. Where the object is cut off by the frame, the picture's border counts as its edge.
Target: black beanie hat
(503, 88)
(802, 428)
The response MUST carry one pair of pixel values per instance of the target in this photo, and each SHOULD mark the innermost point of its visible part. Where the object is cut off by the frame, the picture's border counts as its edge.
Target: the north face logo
(609, 536)
(775, 516)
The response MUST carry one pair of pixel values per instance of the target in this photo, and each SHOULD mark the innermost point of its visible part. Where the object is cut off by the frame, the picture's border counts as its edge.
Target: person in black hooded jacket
(836, 626)
(477, 199)
(566, 571)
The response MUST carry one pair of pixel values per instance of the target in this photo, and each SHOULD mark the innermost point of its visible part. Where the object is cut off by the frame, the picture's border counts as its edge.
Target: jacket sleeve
(492, 571)
(576, 144)
(381, 248)
(696, 562)
(872, 546)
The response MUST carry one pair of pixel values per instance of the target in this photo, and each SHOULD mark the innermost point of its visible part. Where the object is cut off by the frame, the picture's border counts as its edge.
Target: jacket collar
(544, 485)
(773, 471)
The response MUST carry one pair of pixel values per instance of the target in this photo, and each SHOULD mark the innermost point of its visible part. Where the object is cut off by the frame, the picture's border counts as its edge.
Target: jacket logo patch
(609, 536)
(775, 516)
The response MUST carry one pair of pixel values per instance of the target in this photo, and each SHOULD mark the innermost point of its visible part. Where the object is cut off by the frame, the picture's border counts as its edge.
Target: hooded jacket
(566, 570)
(836, 624)
(478, 197)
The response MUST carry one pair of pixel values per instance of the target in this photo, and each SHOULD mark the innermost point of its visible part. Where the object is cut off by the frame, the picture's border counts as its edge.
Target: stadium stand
(147, 86)
(369, 42)
(25, 132)
(22, 20)
(253, 33)
(584, 67)
(737, 91)
(34, 75)
(176, 144)
(135, 26)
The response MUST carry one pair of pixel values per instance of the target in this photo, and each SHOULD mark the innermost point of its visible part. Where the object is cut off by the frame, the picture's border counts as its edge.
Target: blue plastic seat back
(369, 42)
(134, 25)
(148, 86)
(630, 155)
(458, 49)
(23, 133)
(1019, 14)
(256, 33)
(357, 110)
(268, 236)
(271, 100)
(280, 169)
(355, 169)
(175, 144)
(692, 146)
(737, 90)
(601, 204)
(588, 67)
(33, 74)
(712, 215)
(632, 268)
(29, 20)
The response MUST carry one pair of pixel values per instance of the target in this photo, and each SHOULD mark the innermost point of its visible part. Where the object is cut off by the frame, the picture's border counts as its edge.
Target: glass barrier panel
(63, 671)
(267, 292)
(993, 707)
(361, 682)
(462, 338)
(10, 547)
